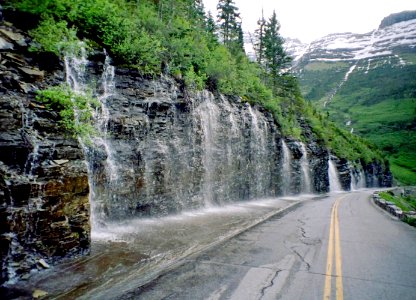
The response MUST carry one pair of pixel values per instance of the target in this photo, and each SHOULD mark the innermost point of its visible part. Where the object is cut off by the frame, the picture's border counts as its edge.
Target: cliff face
(44, 206)
(166, 150)
(160, 149)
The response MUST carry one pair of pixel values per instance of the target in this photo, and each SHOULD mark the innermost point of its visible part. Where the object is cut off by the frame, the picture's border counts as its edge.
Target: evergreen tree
(259, 40)
(211, 29)
(275, 57)
(197, 11)
(228, 17)
(239, 45)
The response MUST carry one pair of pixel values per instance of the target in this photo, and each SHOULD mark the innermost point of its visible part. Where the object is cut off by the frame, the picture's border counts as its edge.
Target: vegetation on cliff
(379, 103)
(176, 37)
(75, 110)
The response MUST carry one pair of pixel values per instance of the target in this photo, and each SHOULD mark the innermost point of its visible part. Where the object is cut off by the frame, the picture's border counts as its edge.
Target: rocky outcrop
(377, 175)
(398, 17)
(408, 216)
(44, 206)
(167, 149)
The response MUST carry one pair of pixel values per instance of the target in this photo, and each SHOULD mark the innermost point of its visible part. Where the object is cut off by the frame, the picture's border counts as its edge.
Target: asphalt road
(338, 247)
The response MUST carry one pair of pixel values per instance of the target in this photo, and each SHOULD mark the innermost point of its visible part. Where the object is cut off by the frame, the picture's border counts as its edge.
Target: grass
(380, 103)
(404, 203)
(387, 124)
(402, 174)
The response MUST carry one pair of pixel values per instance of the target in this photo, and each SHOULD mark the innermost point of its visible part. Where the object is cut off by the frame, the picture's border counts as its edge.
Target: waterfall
(353, 185)
(108, 87)
(361, 181)
(75, 71)
(77, 77)
(209, 113)
(161, 151)
(334, 183)
(286, 168)
(357, 179)
(258, 150)
(306, 178)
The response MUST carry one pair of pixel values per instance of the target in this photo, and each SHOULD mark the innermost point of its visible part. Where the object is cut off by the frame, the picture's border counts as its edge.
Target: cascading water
(354, 181)
(286, 168)
(306, 177)
(163, 151)
(357, 180)
(258, 150)
(103, 117)
(361, 181)
(77, 77)
(334, 183)
(209, 113)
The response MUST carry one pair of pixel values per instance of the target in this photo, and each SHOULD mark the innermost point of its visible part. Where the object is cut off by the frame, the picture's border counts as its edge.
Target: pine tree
(238, 44)
(259, 40)
(211, 29)
(275, 57)
(228, 17)
(197, 11)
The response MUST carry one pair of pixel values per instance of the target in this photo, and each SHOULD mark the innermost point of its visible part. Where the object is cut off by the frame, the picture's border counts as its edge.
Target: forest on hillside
(200, 50)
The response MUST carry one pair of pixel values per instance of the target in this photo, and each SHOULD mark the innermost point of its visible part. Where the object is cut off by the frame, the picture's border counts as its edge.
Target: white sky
(308, 20)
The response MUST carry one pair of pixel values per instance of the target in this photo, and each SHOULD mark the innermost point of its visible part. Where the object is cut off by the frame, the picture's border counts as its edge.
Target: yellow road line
(327, 289)
(338, 260)
(334, 240)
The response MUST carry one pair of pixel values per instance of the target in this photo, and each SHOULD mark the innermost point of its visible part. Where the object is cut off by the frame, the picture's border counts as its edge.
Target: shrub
(55, 37)
(75, 110)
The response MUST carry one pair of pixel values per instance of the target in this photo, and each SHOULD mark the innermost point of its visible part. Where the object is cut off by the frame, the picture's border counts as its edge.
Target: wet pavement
(372, 256)
(131, 254)
(339, 246)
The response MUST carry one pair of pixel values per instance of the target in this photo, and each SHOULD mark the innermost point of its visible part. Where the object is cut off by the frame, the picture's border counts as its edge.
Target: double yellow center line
(334, 247)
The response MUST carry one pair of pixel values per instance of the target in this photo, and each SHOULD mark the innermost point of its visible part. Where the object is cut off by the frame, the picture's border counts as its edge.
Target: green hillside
(178, 39)
(376, 102)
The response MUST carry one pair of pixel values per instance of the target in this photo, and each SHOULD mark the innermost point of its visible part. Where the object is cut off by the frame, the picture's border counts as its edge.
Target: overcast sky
(308, 20)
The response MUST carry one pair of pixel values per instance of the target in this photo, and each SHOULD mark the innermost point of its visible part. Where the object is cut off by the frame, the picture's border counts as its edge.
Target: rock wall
(167, 150)
(44, 206)
(175, 150)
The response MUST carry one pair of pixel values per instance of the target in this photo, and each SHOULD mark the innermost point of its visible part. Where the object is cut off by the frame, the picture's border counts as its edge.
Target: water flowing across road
(127, 255)
(272, 248)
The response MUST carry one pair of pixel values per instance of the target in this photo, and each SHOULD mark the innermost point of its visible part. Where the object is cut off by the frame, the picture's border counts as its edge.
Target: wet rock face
(344, 173)
(44, 206)
(377, 176)
(167, 150)
(319, 165)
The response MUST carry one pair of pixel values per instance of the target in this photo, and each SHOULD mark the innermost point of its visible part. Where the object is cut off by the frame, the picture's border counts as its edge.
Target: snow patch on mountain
(295, 48)
(352, 47)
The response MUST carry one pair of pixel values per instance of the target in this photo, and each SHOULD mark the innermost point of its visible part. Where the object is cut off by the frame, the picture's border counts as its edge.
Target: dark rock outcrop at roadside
(44, 206)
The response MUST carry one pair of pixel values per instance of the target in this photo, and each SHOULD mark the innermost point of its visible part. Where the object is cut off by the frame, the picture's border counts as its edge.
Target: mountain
(367, 84)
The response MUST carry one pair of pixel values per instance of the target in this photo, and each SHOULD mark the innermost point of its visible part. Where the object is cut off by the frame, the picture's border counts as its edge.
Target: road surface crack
(309, 241)
(263, 290)
(308, 266)
(301, 257)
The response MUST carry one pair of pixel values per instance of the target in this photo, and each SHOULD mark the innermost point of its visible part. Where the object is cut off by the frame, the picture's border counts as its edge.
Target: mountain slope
(367, 84)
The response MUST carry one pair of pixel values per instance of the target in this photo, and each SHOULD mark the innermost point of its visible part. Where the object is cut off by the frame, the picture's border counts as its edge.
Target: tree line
(268, 43)
(177, 37)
